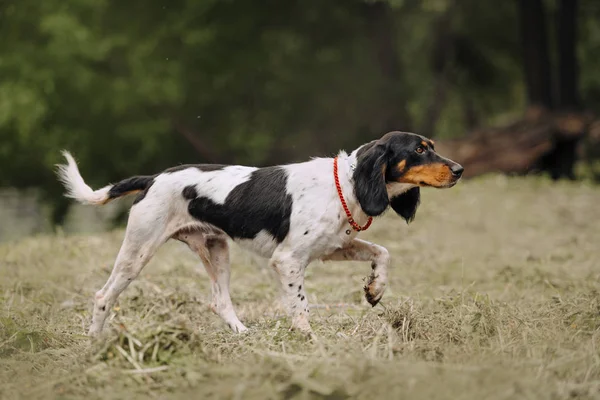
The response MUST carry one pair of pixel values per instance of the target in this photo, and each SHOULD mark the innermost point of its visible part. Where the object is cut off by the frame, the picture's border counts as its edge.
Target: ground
(493, 294)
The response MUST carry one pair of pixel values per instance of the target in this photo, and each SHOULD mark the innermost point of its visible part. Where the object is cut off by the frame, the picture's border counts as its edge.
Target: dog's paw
(306, 334)
(300, 323)
(374, 290)
(237, 327)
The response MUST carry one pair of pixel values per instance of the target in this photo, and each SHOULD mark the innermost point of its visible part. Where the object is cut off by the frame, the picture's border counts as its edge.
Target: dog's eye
(420, 150)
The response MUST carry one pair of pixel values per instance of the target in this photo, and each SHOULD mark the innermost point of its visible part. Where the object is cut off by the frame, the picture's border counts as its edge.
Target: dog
(291, 214)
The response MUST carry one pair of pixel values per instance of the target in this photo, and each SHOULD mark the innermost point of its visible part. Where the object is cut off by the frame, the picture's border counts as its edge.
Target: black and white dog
(292, 214)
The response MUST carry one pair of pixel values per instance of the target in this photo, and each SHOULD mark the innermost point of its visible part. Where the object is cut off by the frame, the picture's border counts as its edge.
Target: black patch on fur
(133, 184)
(300, 288)
(142, 195)
(261, 203)
(290, 284)
(302, 298)
(306, 233)
(407, 203)
(103, 308)
(201, 167)
(189, 192)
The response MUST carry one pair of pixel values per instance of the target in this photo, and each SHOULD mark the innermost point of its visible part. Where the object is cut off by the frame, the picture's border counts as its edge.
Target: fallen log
(541, 141)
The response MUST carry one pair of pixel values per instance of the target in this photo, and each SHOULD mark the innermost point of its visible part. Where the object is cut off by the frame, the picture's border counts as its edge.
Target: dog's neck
(346, 167)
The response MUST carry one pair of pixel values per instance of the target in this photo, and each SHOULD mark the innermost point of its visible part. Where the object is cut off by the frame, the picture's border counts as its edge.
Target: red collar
(351, 220)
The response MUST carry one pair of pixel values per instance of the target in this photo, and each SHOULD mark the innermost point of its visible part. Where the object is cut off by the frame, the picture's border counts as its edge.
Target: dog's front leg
(361, 250)
(291, 270)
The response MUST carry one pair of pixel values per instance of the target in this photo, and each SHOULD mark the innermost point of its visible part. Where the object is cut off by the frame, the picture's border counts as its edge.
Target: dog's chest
(337, 235)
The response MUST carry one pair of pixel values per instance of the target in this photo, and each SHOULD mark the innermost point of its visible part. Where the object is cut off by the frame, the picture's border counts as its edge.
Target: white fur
(264, 244)
(76, 187)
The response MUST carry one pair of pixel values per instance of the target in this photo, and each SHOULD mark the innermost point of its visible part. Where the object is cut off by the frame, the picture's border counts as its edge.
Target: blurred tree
(536, 59)
(134, 87)
(568, 66)
(382, 33)
(560, 159)
(547, 137)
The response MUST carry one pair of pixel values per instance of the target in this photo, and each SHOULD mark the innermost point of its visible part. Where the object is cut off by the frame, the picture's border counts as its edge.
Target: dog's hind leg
(142, 239)
(219, 268)
(214, 253)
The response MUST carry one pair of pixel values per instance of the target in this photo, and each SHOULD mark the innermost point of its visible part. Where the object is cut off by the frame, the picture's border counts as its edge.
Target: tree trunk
(381, 30)
(536, 61)
(560, 162)
(441, 59)
(568, 91)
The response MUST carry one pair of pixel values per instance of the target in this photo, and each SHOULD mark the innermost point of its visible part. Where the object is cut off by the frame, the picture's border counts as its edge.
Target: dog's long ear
(406, 204)
(369, 178)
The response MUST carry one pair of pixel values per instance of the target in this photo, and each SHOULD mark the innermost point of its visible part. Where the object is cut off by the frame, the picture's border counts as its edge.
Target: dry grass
(494, 294)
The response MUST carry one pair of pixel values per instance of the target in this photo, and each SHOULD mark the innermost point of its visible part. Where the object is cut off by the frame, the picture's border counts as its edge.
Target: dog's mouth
(449, 185)
(446, 185)
(453, 182)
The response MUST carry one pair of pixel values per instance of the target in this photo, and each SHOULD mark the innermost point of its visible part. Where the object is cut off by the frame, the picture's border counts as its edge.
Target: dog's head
(400, 162)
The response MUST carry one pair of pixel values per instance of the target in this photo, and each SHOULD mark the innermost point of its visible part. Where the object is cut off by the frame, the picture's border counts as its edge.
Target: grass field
(493, 294)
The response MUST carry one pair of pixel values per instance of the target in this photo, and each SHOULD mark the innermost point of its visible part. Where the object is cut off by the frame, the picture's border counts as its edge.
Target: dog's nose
(457, 170)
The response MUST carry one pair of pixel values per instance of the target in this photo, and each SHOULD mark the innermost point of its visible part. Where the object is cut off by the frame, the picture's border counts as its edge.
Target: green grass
(493, 294)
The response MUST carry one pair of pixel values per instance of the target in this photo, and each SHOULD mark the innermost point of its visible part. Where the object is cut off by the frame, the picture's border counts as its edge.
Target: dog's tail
(77, 189)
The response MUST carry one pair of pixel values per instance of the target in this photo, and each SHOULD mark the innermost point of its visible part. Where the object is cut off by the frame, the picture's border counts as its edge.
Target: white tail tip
(76, 187)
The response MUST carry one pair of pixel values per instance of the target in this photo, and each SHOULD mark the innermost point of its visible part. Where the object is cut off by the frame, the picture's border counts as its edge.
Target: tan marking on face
(432, 141)
(424, 143)
(436, 175)
(401, 165)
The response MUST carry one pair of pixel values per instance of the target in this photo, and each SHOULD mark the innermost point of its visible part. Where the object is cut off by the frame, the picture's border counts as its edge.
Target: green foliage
(134, 87)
